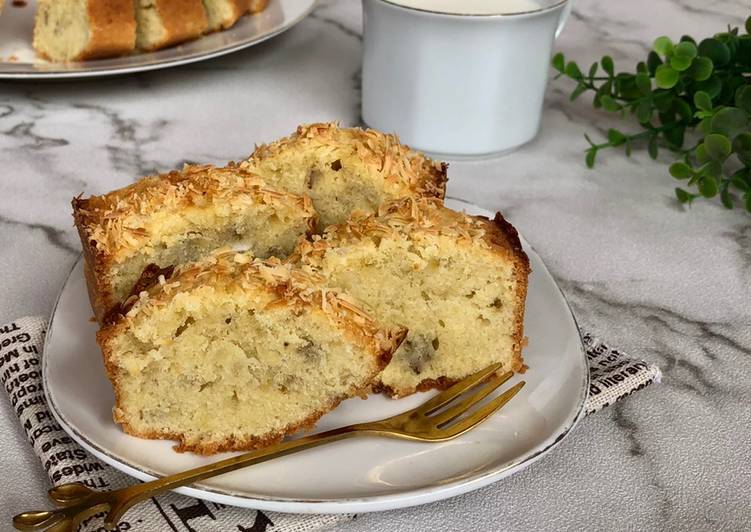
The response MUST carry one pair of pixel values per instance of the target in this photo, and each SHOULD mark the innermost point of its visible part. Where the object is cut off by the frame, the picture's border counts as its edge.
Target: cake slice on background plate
(77, 30)
(223, 14)
(162, 23)
(165, 220)
(234, 353)
(457, 282)
(347, 169)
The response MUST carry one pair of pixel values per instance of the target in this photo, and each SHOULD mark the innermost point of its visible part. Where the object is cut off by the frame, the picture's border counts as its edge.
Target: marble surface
(670, 285)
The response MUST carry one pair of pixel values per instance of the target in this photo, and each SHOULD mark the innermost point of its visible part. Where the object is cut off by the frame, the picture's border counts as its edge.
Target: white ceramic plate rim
(340, 505)
(156, 64)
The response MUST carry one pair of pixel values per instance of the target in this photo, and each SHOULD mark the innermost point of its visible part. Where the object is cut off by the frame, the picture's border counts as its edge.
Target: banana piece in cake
(165, 220)
(76, 30)
(233, 353)
(457, 282)
(347, 169)
(223, 14)
(162, 23)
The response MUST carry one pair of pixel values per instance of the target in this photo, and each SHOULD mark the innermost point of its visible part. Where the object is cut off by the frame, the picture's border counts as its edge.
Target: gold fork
(438, 419)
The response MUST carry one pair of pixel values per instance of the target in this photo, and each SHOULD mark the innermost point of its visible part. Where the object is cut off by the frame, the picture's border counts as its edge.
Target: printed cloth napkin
(613, 375)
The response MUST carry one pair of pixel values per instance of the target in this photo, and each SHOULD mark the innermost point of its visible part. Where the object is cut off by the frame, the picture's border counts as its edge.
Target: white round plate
(18, 60)
(359, 475)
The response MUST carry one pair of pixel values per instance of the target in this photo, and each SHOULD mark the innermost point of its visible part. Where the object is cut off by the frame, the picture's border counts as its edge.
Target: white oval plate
(18, 60)
(357, 475)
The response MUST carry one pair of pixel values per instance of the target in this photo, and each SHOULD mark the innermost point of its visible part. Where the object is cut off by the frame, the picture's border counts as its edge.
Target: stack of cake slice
(78, 30)
(226, 351)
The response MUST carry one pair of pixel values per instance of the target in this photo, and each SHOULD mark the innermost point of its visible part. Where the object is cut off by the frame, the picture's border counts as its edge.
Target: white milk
(474, 7)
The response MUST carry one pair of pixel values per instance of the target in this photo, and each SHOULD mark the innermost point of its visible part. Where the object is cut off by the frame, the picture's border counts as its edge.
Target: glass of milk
(458, 78)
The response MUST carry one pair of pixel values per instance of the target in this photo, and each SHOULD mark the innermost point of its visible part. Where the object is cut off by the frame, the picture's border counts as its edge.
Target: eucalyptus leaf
(702, 101)
(742, 147)
(685, 49)
(680, 62)
(712, 86)
(590, 157)
(701, 154)
(666, 77)
(643, 83)
(653, 61)
(718, 146)
(644, 111)
(572, 70)
(715, 50)
(726, 198)
(559, 62)
(680, 170)
(674, 136)
(615, 137)
(592, 72)
(663, 46)
(701, 68)
(729, 121)
(683, 109)
(708, 187)
(743, 98)
(741, 181)
(609, 104)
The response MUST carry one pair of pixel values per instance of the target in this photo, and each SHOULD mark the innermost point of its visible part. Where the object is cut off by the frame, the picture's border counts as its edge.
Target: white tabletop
(666, 284)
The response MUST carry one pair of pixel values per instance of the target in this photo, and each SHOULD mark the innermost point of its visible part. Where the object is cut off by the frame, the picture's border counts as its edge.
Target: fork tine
(457, 410)
(457, 389)
(483, 413)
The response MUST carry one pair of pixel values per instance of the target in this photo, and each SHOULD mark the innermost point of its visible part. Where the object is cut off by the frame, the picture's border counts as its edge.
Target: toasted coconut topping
(408, 218)
(118, 223)
(291, 286)
(413, 219)
(402, 169)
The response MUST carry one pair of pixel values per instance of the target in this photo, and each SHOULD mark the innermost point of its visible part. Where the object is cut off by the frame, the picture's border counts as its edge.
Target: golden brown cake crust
(183, 20)
(406, 172)
(109, 226)
(113, 29)
(408, 216)
(292, 287)
(112, 26)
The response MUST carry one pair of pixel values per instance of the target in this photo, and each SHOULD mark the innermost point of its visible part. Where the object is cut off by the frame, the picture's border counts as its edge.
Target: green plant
(684, 91)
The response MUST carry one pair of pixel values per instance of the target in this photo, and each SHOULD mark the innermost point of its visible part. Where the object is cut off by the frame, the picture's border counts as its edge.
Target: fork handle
(127, 497)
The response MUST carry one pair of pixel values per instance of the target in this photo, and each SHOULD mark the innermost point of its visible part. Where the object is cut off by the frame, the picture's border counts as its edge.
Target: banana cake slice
(169, 219)
(347, 169)
(234, 353)
(76, 30)
(457, 282)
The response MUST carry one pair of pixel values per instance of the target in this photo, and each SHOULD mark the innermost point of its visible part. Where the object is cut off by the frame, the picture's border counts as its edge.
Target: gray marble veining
(651, 278)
